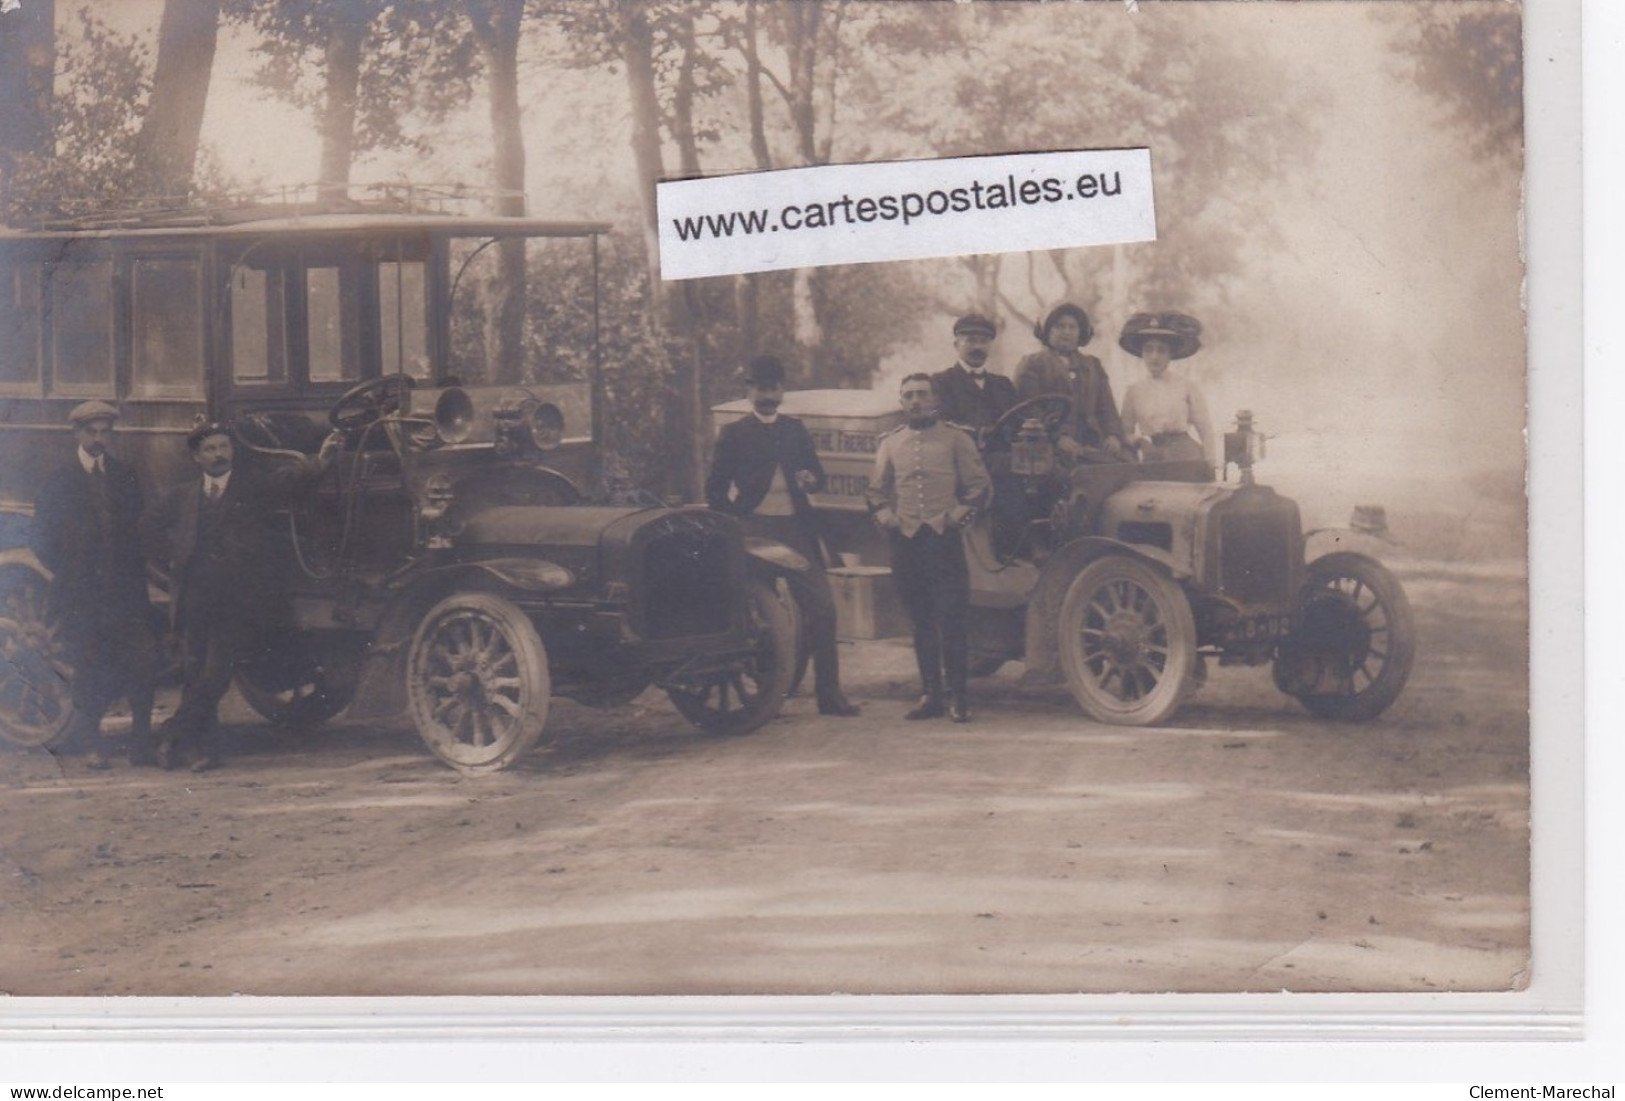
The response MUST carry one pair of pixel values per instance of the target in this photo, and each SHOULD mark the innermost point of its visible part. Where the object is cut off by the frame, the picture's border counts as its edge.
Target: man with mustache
(927, 485)
(969, 394)
(228, 582)
(764, 467)
(87, 533)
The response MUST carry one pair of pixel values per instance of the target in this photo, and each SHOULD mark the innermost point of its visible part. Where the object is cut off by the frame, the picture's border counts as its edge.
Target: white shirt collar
(210, 481)
(764, 420)
(974, 372)
(91, 462)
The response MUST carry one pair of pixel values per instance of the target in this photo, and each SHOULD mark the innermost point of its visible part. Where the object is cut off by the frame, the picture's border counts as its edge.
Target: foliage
(1469, 57)
(104, 79)
(417, 56)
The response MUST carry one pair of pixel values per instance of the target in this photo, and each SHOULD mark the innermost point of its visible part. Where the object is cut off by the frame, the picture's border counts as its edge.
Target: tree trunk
(166, 148)
(27, 64)
(496, 26)
(343, 81)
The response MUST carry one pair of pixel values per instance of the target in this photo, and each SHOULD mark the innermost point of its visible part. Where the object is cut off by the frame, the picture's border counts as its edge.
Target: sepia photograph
(1046, 516)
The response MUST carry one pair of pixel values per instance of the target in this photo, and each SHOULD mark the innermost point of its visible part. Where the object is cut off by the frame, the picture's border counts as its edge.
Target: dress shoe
(96, 760)
(839, 706)
(959, 710)
(929, 707)
(207, 763)
(164, 755)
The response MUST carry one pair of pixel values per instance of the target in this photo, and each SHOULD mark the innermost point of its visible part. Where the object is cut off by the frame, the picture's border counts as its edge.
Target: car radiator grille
(686, 584)
(1255, 557)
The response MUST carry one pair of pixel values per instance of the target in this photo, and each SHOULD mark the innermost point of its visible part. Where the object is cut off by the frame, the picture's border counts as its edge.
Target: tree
(167, 146)
(1469, 57)
(27, 56)
(103, 81)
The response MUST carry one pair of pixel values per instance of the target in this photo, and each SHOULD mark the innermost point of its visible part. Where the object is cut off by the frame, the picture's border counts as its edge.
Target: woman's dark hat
(1182, 332)
(765, 371)
(195, 438)
(975, 324)
(1086, 331)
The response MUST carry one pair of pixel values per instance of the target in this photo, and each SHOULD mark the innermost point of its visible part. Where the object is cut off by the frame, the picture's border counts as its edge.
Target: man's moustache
(766, 406)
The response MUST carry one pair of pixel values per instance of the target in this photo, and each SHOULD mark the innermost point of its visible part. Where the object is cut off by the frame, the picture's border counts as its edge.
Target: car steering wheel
(364, 404)
(1052, 410)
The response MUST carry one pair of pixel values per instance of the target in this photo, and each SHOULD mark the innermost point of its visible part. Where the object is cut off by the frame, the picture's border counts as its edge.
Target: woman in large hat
(1161, 410)
(1060, 368)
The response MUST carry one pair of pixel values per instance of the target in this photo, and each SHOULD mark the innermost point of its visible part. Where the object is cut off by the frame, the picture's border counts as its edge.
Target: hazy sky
(1386, 330)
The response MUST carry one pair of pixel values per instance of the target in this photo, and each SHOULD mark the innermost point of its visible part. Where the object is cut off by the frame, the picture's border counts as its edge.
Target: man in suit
(229, 590)
(927, 485)
(968, 393)
(764, 467)
(87, 533)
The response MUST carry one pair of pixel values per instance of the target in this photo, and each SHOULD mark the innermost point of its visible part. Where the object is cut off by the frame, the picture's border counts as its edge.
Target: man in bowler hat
(968, 393)
(229, 590)
(764, 467)
(87, 533)
(927, 485)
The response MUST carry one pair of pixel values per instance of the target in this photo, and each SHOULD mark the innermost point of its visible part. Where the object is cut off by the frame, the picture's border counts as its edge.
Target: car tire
(477, 682)
(327, 684)
(742, 699)
(1127, 642)
(36, 706)
(1355, 642)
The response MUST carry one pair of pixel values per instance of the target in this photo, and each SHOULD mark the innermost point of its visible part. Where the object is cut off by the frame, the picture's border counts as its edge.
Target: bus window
(19, 329)
(331, 321)
(259, 344)
(167, 329)
(403, 325)
(82, 329)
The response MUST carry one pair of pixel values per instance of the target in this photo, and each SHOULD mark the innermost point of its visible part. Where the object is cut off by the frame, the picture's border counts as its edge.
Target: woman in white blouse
(1161, 410)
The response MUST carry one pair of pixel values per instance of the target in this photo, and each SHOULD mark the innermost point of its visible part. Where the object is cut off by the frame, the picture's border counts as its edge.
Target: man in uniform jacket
(87, 533)
(968, 393)
(764, 467)
(927, 485)
(228, 580)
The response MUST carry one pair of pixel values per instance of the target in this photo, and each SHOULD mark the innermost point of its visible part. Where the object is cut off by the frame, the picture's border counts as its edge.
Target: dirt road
(1245, 847)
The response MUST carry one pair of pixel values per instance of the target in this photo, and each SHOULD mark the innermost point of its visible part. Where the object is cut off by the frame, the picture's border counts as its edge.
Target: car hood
(543, 526)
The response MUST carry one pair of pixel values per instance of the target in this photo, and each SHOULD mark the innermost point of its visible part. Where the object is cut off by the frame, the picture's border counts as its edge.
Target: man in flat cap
(971, 396)
(87, 533)
(968, 394)
(229, 585)
(764, 467)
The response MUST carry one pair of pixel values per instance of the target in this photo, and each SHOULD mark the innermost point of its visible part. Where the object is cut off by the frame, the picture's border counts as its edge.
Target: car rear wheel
(304, 691)
(478, 682)
(1128, 642)
(1355, 643)
(742, 697)
(35, 674)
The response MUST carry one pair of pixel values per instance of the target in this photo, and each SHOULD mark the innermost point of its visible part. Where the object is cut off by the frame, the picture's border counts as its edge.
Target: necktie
(214, 492)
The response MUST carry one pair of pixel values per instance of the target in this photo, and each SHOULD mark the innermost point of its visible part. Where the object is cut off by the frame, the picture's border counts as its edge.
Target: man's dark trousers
(933, 583)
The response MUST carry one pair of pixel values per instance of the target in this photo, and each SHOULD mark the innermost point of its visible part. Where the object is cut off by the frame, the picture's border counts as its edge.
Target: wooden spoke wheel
(478, 682)
(36, 707)
(1128, 642)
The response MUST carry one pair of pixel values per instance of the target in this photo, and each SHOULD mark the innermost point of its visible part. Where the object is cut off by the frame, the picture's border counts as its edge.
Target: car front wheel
(478, 682)
(1128, 642)
(746, 694)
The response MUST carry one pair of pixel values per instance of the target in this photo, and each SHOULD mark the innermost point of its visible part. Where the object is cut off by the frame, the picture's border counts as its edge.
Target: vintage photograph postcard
(752, 497)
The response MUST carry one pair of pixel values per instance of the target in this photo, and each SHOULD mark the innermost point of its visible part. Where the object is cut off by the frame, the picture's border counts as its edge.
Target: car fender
(1044, 604)
(381, 691)
(779, 556)
(1323, 541)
